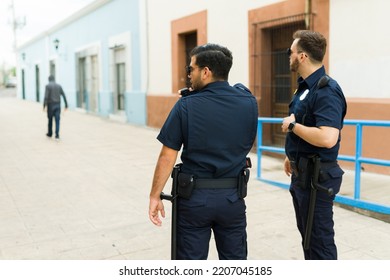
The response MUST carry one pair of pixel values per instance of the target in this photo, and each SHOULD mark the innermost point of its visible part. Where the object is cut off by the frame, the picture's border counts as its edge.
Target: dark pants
(53, 111)
(217, 210)
(322, 244)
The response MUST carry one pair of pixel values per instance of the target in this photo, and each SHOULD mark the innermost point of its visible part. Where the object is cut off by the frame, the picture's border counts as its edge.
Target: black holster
(304, 172)
(243, 179)
(185, 183)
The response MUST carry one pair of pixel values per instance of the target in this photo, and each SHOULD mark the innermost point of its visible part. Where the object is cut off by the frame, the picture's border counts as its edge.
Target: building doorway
(274, 83)
(23, 85)
(120, 83)
(88, 79)
(190, 41)
(37, 82)
(81, 84)
(94, 90)
(283, 81)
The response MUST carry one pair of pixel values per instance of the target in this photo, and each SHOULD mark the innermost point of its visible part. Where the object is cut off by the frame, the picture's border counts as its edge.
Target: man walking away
(52, 100)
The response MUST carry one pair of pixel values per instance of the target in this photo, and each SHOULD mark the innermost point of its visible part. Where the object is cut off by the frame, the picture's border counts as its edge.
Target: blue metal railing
(358, 159)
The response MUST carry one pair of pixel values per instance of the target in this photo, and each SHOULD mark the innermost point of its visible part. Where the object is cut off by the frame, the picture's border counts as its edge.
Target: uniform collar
(311, 81)
(215, 84)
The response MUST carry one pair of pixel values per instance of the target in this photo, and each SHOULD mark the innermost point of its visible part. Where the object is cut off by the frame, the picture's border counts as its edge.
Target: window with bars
(274, 83)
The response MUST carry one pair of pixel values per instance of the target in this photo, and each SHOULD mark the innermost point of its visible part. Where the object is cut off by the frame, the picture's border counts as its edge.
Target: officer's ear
(207, 73)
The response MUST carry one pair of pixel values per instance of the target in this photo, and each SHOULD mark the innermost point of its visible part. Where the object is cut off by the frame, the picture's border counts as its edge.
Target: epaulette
(242, 87)
(323, 81)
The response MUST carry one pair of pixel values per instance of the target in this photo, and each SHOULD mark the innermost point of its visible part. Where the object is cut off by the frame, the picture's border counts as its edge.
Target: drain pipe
(307, 13)
(146, 85)
(144, 29)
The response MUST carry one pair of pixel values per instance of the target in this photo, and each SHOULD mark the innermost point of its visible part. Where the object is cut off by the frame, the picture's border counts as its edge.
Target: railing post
(259, 144)
(358, 154)
(358, 159)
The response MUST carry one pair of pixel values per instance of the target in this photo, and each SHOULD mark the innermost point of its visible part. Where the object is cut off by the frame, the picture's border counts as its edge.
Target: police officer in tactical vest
(215, 127)
(313, 127)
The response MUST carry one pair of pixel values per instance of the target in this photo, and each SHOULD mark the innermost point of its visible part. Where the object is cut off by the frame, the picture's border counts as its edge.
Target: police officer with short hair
(215, 127)
(315, 120)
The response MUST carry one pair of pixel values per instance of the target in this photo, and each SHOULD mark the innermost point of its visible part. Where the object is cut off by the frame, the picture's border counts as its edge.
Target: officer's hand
(155, 206)
(287, 121)
(287, 167)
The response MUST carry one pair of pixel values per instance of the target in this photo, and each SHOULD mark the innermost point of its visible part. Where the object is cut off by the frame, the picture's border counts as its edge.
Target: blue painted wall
(94, 28)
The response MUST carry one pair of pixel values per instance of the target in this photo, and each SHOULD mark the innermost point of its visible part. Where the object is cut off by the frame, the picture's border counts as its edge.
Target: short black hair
(217, 58)
(51, 78)
(311, 42)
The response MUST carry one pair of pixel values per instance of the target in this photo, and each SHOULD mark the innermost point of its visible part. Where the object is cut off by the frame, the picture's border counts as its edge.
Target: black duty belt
(222, 183)
(324, 165)
(328, 164)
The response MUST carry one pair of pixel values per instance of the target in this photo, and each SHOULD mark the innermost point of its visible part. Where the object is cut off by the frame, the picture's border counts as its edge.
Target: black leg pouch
(186, 183)
(305, 167)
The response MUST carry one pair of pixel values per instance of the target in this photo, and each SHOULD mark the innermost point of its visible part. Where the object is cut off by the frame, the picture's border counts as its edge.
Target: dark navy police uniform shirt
(216, 128)
(315, 107)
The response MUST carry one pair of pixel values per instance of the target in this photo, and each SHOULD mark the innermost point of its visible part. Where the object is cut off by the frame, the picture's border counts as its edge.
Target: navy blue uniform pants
(53, 111)
(217, 210)
(322, 244)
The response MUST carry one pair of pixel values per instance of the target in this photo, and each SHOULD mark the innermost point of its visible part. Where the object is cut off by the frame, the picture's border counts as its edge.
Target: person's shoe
(57, 138)
(48, 135)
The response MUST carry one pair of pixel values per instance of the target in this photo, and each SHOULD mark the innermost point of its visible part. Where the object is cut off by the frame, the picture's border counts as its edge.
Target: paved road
(86, 197)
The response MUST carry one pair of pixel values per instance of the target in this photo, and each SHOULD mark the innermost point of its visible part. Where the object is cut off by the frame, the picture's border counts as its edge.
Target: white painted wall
(227, 25)
(359, 45)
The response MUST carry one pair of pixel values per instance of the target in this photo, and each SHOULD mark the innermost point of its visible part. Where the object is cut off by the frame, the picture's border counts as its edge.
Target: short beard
(196, 85)
(294, 65)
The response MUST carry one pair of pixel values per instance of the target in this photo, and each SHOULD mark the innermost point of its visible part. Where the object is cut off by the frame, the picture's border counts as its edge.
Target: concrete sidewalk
(86, 197)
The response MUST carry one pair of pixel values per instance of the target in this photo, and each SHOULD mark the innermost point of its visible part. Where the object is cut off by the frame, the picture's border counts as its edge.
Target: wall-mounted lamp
(115, 47)
(56, 43)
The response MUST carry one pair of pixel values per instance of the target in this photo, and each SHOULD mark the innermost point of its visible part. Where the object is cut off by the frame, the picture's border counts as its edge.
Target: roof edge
(78, 14)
